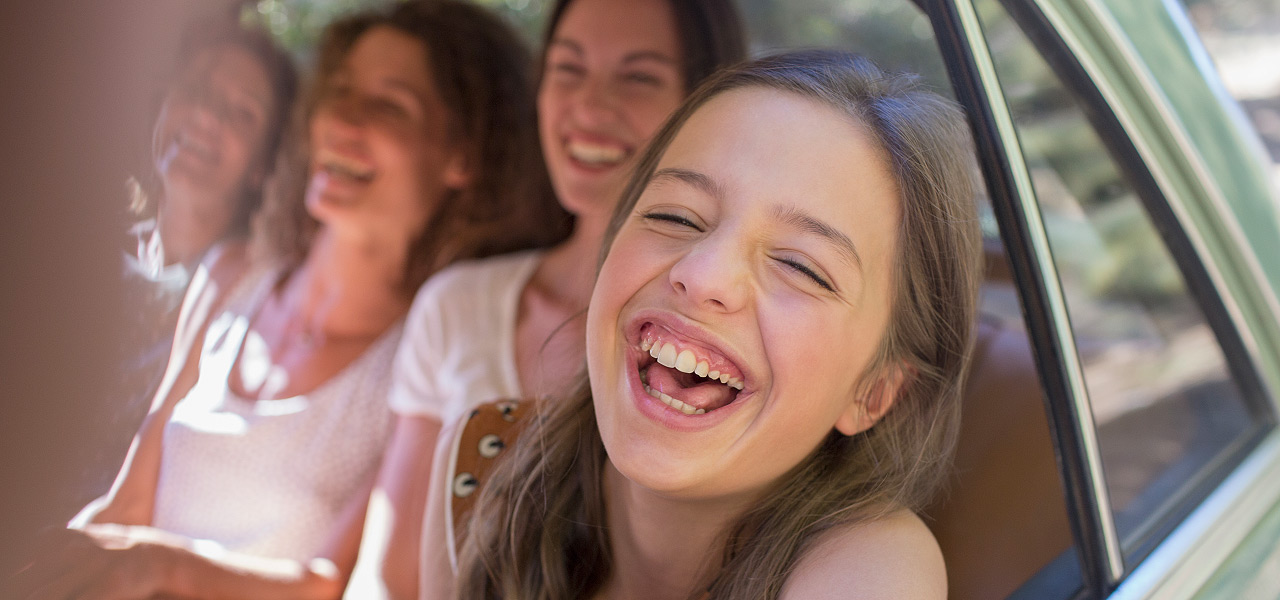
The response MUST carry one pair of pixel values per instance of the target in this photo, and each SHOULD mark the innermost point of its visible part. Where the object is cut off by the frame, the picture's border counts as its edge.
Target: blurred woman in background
(213, 149)
(250, 476)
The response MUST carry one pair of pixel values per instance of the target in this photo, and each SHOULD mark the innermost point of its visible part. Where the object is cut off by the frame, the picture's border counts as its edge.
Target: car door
(1150, 310)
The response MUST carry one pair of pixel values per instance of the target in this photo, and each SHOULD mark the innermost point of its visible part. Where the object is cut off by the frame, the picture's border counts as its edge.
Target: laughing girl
(775, 348)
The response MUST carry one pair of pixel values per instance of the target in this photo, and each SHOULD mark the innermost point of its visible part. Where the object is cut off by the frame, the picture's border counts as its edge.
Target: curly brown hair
(484, 74)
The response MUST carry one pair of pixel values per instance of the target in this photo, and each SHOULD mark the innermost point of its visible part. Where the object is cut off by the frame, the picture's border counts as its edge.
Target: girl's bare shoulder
(892, 557)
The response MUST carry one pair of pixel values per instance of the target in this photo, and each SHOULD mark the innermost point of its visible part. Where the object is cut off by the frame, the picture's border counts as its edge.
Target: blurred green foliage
(298, 24)
(1101, 236)
(1235, 15)
(1114, 250)
(894, 33)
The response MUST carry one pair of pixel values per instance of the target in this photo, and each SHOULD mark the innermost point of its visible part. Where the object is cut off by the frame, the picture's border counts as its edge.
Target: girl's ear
(866, 411)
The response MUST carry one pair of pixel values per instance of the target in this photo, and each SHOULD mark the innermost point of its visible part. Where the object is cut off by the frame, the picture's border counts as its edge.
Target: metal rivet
(491, 445)
(464, 484)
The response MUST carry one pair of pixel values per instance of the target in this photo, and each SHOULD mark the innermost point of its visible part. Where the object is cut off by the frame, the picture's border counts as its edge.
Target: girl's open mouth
(684, 375)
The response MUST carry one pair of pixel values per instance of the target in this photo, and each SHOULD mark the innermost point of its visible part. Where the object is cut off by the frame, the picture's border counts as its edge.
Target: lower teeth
(672, 402)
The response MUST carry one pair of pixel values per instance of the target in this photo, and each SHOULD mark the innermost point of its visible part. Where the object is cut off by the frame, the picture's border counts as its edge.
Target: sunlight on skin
(255, 361)
(258, 371)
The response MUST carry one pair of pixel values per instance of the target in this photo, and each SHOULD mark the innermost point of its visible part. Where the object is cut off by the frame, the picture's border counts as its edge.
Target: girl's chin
(587, 198)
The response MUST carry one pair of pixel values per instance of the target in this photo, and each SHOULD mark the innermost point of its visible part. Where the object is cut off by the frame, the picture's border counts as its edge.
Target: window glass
(1240, 38)
(1166, 409)
(1243, 38)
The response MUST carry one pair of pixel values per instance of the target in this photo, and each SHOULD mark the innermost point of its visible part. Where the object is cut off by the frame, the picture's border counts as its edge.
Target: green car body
(1155, 75)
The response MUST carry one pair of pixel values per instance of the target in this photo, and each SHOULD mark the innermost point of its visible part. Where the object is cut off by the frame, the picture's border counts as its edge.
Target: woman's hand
(98, 562)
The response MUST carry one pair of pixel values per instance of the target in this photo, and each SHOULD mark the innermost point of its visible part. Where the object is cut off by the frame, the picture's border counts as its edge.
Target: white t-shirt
(270, 477)
(459, 347)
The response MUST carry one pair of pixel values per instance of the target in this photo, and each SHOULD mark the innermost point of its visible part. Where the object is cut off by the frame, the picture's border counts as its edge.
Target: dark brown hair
(709, 31)
(483, 73)
(539, 529)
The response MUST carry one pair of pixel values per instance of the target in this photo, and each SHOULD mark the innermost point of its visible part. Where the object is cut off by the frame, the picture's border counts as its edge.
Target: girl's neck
(348, 290)
(568, 271)
(185, 235)
(663, 548)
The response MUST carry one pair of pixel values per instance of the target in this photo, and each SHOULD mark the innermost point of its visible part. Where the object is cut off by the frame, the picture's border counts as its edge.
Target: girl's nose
(714, 275)
(594, 102)
(347, 110)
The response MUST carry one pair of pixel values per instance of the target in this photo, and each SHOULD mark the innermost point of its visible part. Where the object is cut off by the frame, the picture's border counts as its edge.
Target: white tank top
(270, 477)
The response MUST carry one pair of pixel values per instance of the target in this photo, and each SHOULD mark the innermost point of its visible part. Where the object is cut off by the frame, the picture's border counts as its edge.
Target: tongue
(689, 389)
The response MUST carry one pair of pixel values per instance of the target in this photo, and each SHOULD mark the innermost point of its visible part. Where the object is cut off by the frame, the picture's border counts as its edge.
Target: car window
(1167, 411)
(1240, 38)
(1181, 73)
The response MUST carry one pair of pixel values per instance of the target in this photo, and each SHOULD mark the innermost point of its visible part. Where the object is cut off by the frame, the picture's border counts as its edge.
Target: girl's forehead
(777, 152)
(756, 131)
(621, 27)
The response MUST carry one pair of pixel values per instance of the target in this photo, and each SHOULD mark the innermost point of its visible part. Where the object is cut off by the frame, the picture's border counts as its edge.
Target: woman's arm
(121, 561)
(438, 569)
(893, 558)
(131, 499)
(390, 549)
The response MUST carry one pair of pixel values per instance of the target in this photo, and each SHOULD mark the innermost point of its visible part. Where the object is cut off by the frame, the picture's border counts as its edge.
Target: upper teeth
(596, 154)
(685, 362)
(344, 166)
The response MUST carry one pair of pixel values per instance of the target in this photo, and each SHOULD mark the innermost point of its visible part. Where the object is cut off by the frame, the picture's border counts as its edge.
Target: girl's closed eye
(670, 219)
(642, 78)
(806, 271)
(387, 107)
(564, 70)
(243, 116)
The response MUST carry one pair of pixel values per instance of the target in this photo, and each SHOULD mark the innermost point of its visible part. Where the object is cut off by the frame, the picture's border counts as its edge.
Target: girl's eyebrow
(788, 215)
(701, 181)
(796, 217)
(566, 44)
(639, 55)
(653, 55)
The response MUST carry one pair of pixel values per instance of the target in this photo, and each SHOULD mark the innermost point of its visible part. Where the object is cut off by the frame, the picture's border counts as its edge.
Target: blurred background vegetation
(1110, 245)
(871, 27)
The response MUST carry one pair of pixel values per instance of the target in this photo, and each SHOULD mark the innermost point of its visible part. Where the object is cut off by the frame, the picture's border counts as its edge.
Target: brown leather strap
(490, 429)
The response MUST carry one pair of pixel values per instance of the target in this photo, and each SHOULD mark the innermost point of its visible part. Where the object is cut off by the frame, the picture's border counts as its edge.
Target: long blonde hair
(539, 528)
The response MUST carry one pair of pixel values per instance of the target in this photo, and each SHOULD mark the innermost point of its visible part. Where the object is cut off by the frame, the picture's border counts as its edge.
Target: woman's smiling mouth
(339, 165)
(596, 155)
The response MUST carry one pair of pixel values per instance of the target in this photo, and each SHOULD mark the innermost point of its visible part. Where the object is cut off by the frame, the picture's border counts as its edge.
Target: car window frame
(1163, 202)
(1105, 567)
